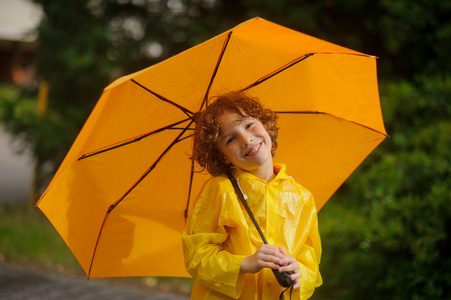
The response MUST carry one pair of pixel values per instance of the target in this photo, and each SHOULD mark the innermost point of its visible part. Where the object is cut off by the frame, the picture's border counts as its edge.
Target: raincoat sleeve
(310, 253)
(206, 230)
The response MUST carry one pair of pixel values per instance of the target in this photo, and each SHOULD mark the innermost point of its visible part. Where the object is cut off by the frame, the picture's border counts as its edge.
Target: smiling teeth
(253, 150)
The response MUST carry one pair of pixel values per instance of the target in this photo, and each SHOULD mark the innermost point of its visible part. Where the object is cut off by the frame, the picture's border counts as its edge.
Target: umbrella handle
(283, 278)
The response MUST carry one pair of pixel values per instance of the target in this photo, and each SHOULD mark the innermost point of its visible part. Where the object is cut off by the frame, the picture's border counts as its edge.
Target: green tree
(84, 45)
(409, 36)
(45, 137)
(410, 214)
(71, 59)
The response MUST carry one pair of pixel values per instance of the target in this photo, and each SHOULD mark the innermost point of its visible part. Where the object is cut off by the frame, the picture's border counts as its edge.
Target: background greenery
(386, 233)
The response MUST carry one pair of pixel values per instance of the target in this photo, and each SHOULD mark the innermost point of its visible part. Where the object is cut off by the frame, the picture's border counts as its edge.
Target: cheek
(232, 152)
(268, 139)
(263, 132)
(223, 154)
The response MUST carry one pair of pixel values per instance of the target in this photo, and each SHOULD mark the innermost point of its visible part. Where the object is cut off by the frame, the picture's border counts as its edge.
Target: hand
(267, 256)
(289, 264)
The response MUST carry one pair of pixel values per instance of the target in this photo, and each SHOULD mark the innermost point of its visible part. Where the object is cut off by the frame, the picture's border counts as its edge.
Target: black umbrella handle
(283, 278)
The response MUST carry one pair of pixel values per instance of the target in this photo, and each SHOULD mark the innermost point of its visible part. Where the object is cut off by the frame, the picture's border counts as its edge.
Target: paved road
(18, 283)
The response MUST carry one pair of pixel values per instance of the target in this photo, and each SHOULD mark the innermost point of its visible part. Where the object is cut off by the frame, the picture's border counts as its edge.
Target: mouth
(254, 150)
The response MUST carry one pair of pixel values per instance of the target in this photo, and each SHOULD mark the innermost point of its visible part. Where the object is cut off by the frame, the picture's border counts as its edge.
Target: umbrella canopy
(119, 197)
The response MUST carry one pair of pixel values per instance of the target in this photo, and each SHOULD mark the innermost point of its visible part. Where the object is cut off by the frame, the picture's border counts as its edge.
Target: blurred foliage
(86, 44)
(409, 191)
(410, 36)
(386, 231)
(47, 137)
(71, 56)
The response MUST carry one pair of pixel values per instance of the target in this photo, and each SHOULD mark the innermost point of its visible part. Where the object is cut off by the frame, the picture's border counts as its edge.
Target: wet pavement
(20, 283)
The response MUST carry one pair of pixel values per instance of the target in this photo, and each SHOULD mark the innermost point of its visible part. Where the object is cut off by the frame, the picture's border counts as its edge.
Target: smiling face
(206, 149)
(246, 144)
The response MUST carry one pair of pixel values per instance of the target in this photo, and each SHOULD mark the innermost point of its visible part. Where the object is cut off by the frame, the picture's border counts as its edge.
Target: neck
(264, 172)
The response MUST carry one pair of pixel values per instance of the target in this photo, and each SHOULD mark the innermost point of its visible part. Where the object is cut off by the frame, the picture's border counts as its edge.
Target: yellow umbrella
(120, 197)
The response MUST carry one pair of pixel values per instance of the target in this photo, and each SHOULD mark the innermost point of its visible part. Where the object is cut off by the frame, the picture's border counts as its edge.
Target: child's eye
(230, 140)
(249, 125)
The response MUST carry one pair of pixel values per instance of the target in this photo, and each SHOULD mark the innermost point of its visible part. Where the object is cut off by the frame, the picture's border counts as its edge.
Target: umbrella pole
(283, 278)
(246, 206)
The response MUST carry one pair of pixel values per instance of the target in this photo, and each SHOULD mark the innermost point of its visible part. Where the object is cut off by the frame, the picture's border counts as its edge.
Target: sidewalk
(18, 283)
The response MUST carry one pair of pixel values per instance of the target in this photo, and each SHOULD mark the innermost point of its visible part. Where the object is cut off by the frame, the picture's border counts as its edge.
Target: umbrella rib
(112, 206)
(186, 137)
(137, 139)
(270, 75)
(323, 113)
(189, 189)
(183, 109)
(215, 71)
(98, 239)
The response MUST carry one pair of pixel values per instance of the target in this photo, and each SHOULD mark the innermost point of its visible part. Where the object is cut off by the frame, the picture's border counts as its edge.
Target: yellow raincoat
(220, 234)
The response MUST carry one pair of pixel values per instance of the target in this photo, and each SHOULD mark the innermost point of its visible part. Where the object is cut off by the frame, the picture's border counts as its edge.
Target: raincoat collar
(279, 169)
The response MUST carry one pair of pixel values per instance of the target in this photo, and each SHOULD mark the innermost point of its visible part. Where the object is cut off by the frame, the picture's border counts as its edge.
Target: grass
(27, 238)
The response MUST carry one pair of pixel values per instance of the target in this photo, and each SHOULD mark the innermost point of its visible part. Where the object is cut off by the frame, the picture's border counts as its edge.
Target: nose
(246, 139)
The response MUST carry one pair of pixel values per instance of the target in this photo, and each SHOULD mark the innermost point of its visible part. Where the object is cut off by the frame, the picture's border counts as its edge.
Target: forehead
(229, 119)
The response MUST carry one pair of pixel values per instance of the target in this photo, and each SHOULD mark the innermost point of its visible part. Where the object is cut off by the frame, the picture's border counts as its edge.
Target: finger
(295, 276)
(267, 247)
(273, 266)
(297, 284)
(288, 268)
(270, 249)
(281, 250)
(270, 265)
(288, 260)
(275, 255)
(292, 266)
(271, 259)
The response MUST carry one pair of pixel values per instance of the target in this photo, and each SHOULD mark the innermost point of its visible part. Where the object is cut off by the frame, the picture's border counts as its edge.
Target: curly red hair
(208, 131)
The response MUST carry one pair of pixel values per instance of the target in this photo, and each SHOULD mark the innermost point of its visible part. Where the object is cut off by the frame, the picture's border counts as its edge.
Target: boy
(223, 250)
